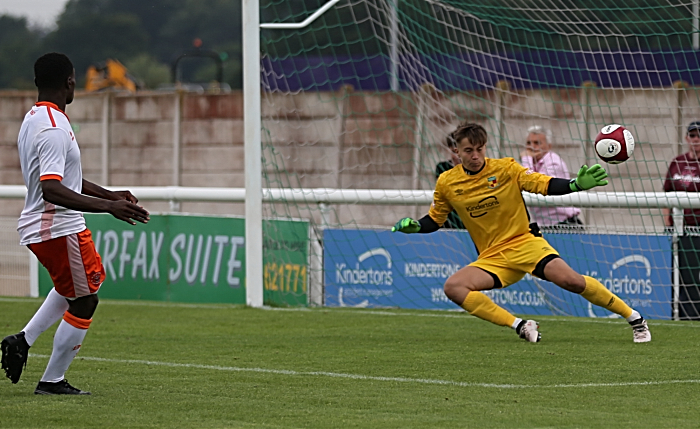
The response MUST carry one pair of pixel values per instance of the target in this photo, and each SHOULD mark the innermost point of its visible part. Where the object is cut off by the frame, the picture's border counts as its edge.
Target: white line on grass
(450, 314)
(374, 378)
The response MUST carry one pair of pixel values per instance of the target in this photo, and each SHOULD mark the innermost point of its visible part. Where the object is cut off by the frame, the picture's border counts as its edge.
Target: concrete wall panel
(88, 133)
(15, 104)
(143, 134)
(203, 132)
(350, 139)
(153, 107)
(198, 106)
(206, 160)
(312, 131)
(86, 108)
(9, 131)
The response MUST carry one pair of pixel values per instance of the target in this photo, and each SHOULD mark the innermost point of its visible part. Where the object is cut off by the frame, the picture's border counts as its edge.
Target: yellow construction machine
(109, 75)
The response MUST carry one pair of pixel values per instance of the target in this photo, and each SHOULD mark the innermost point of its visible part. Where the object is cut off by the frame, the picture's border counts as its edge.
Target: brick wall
(349, 139)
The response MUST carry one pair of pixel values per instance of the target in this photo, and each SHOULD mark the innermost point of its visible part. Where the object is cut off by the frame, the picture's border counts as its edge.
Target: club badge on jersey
(493, 182)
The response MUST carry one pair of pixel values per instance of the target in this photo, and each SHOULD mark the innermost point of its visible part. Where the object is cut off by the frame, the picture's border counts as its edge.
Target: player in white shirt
(53, 227)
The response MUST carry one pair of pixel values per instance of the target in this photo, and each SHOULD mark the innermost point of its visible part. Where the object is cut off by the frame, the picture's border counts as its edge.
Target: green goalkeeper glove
(407, 226)
(588, 178)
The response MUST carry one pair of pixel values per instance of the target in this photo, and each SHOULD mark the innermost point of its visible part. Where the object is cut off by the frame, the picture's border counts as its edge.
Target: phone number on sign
(285, 277)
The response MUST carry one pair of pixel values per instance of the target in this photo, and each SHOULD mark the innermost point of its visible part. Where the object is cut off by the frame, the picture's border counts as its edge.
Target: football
(614, 144)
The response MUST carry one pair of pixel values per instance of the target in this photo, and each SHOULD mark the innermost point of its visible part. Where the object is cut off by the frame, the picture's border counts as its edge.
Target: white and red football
(614, 144)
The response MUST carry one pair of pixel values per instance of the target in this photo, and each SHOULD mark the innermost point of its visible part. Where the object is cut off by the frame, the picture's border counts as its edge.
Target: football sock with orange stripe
(50, 311)
(599, 295)
(481, 306)
(66, 344)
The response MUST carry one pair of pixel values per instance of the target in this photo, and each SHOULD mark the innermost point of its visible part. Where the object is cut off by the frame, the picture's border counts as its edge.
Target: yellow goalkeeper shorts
(522, 256)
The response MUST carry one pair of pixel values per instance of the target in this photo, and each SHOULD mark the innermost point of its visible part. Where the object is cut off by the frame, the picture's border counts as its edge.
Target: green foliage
(93, 38)
(586, 373)
(19, 48)
(90, 31)
(136, 32)
(149, 71)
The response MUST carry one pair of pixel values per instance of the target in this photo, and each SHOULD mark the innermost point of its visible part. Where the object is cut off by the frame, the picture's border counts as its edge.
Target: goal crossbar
(651, 200)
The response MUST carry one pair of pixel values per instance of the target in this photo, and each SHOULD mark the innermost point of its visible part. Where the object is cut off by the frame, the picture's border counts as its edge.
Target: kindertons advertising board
(370, 268)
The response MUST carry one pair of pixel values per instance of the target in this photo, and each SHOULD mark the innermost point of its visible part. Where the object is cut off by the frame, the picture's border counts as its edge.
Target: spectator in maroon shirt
(684, 176)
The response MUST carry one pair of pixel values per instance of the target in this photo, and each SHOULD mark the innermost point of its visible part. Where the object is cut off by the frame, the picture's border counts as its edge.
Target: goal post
(252, 128)
(252, 152)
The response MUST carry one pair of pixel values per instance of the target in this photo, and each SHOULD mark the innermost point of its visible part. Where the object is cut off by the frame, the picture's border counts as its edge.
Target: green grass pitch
(151, 365)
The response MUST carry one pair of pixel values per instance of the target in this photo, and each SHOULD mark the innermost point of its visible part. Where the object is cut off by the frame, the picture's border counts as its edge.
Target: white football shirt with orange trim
(48, 150)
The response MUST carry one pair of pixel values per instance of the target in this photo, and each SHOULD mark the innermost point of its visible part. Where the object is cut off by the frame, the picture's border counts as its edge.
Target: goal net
(364, 97)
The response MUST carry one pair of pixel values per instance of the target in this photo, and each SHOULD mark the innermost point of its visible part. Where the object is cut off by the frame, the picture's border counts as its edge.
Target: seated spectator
(683, 175)
(538, 157)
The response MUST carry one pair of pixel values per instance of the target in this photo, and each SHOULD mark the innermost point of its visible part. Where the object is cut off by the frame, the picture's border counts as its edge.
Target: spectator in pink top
(538, 157)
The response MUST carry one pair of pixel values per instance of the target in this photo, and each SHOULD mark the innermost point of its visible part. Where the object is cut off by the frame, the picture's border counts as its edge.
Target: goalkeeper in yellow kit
(486, 193)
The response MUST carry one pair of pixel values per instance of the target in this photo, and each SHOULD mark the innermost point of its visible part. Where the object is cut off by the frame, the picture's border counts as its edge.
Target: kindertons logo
(482, 207)
(365, 276)
(639, 285)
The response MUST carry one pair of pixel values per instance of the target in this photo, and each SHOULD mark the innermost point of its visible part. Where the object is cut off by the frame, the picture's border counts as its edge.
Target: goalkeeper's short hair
(474, 132)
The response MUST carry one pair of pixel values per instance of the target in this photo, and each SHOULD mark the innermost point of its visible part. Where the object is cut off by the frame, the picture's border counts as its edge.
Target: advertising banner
(286, 258)
(370, 268)
(689, 267)
(184, 258)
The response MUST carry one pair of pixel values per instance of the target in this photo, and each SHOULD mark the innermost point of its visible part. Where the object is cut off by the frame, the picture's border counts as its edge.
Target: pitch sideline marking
(375, 378)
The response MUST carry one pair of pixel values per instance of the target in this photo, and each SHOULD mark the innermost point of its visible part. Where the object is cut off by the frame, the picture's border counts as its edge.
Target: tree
(92, 38)
(91, 31)
(19, 48)
(149, 71)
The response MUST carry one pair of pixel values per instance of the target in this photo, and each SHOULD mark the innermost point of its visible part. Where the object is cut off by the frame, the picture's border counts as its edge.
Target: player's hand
(588, 178)
(126, 195)
(407, 226)
(128, 212)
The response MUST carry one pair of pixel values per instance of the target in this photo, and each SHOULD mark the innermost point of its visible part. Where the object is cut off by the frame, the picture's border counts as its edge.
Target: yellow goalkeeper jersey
(489, 202)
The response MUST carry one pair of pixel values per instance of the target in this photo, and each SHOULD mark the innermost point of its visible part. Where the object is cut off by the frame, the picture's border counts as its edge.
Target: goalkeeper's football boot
(528, 330)
(60, 388)
(15, 351)
(640, 330)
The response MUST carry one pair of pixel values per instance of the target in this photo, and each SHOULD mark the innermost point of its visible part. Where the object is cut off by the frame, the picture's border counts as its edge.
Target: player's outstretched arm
(588, 178)
(95, 190)
(411, 226)
(55, 193)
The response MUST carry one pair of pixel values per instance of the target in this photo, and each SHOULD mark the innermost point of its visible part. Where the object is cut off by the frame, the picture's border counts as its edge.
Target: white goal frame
(252, 125)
